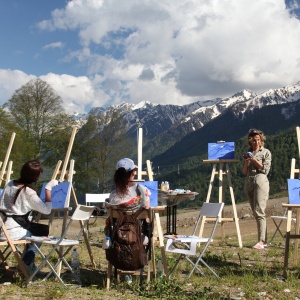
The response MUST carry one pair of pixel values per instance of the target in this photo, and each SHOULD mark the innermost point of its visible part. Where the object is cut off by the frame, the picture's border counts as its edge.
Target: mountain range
(175, 138)
(166, 125)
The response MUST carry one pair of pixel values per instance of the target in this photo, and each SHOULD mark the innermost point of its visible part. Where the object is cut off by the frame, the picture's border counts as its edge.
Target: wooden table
(290, 236)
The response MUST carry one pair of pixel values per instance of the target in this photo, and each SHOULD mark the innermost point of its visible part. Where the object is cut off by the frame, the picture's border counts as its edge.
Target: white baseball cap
(127, 164)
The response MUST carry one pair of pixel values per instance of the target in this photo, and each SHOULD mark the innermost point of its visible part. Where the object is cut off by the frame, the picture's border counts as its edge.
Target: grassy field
(245, 273)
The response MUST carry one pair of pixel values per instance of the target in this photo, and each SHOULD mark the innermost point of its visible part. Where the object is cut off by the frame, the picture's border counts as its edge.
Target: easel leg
(161, 243)
(85, 235)
(212, 178)
(286, 254)
(287, 242)
(236, 219)
(296, 242)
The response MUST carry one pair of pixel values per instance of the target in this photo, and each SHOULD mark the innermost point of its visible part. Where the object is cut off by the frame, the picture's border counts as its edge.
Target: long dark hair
(121, 179)
(29, 174)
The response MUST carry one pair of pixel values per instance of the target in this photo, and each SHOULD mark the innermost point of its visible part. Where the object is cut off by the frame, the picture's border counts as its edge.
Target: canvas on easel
(294, 191)
(59, 194)
(222, 153)
(152, 186)
(221, 150)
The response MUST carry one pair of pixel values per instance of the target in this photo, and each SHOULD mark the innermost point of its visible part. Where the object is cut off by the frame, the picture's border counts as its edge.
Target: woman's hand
(52, 183)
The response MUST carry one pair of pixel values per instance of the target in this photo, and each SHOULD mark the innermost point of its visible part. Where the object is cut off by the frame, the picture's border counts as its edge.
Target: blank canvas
(294, 191)
(59, 194)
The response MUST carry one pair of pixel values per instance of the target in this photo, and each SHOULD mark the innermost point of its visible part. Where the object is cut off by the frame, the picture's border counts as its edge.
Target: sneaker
(265, 245)
(259, 246)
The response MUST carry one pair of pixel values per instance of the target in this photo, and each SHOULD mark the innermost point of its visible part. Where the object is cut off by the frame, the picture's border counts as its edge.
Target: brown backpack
(127, 251)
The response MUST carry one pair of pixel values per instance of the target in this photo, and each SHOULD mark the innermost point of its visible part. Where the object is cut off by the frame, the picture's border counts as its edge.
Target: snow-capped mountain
(173, 122)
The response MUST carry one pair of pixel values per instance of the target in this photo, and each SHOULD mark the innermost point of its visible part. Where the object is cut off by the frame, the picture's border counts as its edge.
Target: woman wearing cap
(129, 195)
(257, 163)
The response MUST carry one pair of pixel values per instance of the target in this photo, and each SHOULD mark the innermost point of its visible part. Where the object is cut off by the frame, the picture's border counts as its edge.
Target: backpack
(127, 251)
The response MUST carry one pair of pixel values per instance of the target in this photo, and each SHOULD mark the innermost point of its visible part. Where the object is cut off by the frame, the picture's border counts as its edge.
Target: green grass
(244, 273)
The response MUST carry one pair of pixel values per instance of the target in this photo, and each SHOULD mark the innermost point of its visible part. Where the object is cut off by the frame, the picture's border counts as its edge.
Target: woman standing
(257, 163)
(19, 197)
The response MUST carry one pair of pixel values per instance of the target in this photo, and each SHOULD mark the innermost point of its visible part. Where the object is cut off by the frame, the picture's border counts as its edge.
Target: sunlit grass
(245, 273)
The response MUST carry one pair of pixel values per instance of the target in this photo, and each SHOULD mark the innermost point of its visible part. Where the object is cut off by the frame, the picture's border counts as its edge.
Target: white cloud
(175, 51)
(11, 80)
(54, 45)
(76, 92)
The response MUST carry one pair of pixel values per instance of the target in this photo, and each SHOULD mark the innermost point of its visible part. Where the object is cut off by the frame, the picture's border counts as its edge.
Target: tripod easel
(221, 173)
(290, 207)
(157, 232)
(67, 175)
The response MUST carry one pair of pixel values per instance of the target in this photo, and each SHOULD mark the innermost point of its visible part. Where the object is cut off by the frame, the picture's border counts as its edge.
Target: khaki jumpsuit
(257, 190)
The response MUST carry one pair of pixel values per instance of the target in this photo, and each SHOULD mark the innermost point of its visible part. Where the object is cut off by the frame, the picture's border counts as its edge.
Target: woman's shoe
(259, 246)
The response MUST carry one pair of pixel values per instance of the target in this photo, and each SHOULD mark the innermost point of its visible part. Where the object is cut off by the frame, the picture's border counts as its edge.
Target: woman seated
(19, 198)
(128, 194)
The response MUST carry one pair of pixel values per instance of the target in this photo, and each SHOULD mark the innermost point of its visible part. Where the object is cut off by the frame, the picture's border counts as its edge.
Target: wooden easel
(4, 165)
(298, 138)
(65, 175)
(157, 231)
(290, 207)
(11, 245)
(148, 171)
(221, 173)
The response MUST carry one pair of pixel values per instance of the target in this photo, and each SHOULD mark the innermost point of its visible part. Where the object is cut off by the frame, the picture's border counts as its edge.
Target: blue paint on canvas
(223, 150)
(59, 194)
(152, 186)
(294, 191)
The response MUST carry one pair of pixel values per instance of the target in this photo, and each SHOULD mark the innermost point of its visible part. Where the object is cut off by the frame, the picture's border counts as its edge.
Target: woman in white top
(19, 197)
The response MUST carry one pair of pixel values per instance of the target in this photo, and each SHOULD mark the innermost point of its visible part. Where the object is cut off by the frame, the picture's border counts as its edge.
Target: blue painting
(222, 150)
(152, 186)
(294, 191)
(59, 194)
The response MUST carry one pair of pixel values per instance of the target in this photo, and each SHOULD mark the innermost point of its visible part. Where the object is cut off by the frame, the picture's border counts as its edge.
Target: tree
(37, 110)
(99, 144)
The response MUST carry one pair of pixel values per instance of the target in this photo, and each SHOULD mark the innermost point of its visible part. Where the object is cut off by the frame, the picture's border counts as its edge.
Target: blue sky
(103, 52)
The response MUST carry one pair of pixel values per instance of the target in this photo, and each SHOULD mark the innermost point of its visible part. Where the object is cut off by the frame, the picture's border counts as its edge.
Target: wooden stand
(3, 169)
(65, 175)
(290, 208)
(157, 231)
(11, 246)
(221, 173)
